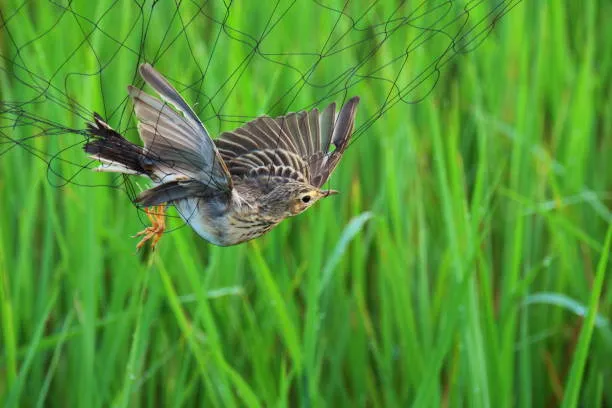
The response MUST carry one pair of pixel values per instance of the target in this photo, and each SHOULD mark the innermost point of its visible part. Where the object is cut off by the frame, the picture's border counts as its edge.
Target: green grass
(463, 264)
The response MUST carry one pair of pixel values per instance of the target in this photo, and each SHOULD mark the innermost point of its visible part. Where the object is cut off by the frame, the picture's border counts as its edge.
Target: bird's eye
(305, 199)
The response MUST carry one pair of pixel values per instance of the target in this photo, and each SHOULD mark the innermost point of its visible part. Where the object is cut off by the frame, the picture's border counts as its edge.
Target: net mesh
(61, 61)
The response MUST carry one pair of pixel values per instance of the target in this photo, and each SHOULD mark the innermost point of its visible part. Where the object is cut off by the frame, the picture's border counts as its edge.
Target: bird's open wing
(294, 146)
(177, 137)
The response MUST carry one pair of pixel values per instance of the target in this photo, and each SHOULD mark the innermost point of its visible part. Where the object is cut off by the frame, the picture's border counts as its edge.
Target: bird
(230, 189)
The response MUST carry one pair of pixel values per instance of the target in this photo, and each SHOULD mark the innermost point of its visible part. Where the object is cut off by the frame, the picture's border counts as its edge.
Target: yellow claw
(157, 216)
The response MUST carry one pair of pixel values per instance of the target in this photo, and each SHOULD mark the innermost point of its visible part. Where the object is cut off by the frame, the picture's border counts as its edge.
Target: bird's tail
(116, 153)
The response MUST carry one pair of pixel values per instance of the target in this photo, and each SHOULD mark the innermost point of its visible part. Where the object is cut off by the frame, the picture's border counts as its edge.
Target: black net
(61, 61)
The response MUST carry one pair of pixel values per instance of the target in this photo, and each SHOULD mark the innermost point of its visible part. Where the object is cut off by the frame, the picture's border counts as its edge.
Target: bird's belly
(220, 227)
(208, 223)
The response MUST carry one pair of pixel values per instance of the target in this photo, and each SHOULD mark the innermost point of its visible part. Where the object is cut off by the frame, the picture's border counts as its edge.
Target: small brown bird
(234, 188)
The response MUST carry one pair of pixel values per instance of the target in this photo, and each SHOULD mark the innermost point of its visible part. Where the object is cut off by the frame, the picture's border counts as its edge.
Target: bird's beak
(327, 193)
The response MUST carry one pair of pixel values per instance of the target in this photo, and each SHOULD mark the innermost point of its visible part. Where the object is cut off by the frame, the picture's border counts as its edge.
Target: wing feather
(340, 137)
(313, 130)
(177, 137)
(293, 127)
(326, 126)
(295, 146)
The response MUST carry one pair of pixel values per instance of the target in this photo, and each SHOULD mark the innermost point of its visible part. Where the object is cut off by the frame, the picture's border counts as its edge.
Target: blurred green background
(464, 263)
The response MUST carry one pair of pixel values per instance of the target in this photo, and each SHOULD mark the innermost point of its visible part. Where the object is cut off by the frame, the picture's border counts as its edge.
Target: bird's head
(292, 198)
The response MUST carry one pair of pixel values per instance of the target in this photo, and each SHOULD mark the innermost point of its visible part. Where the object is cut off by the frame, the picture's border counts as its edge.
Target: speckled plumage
(238, 186)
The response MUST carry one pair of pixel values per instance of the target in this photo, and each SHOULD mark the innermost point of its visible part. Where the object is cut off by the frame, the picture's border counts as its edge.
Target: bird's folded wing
(179, 140)
(172, 191)
(295, 146)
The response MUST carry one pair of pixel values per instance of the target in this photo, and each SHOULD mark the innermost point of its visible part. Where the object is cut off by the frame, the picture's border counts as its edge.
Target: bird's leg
(157, 216)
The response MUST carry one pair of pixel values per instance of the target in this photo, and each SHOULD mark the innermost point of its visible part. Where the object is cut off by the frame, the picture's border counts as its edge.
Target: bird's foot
(157, 216)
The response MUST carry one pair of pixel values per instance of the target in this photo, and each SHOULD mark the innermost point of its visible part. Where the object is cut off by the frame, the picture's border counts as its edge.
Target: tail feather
(119, 155)
(116, 153)
(109, 166)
